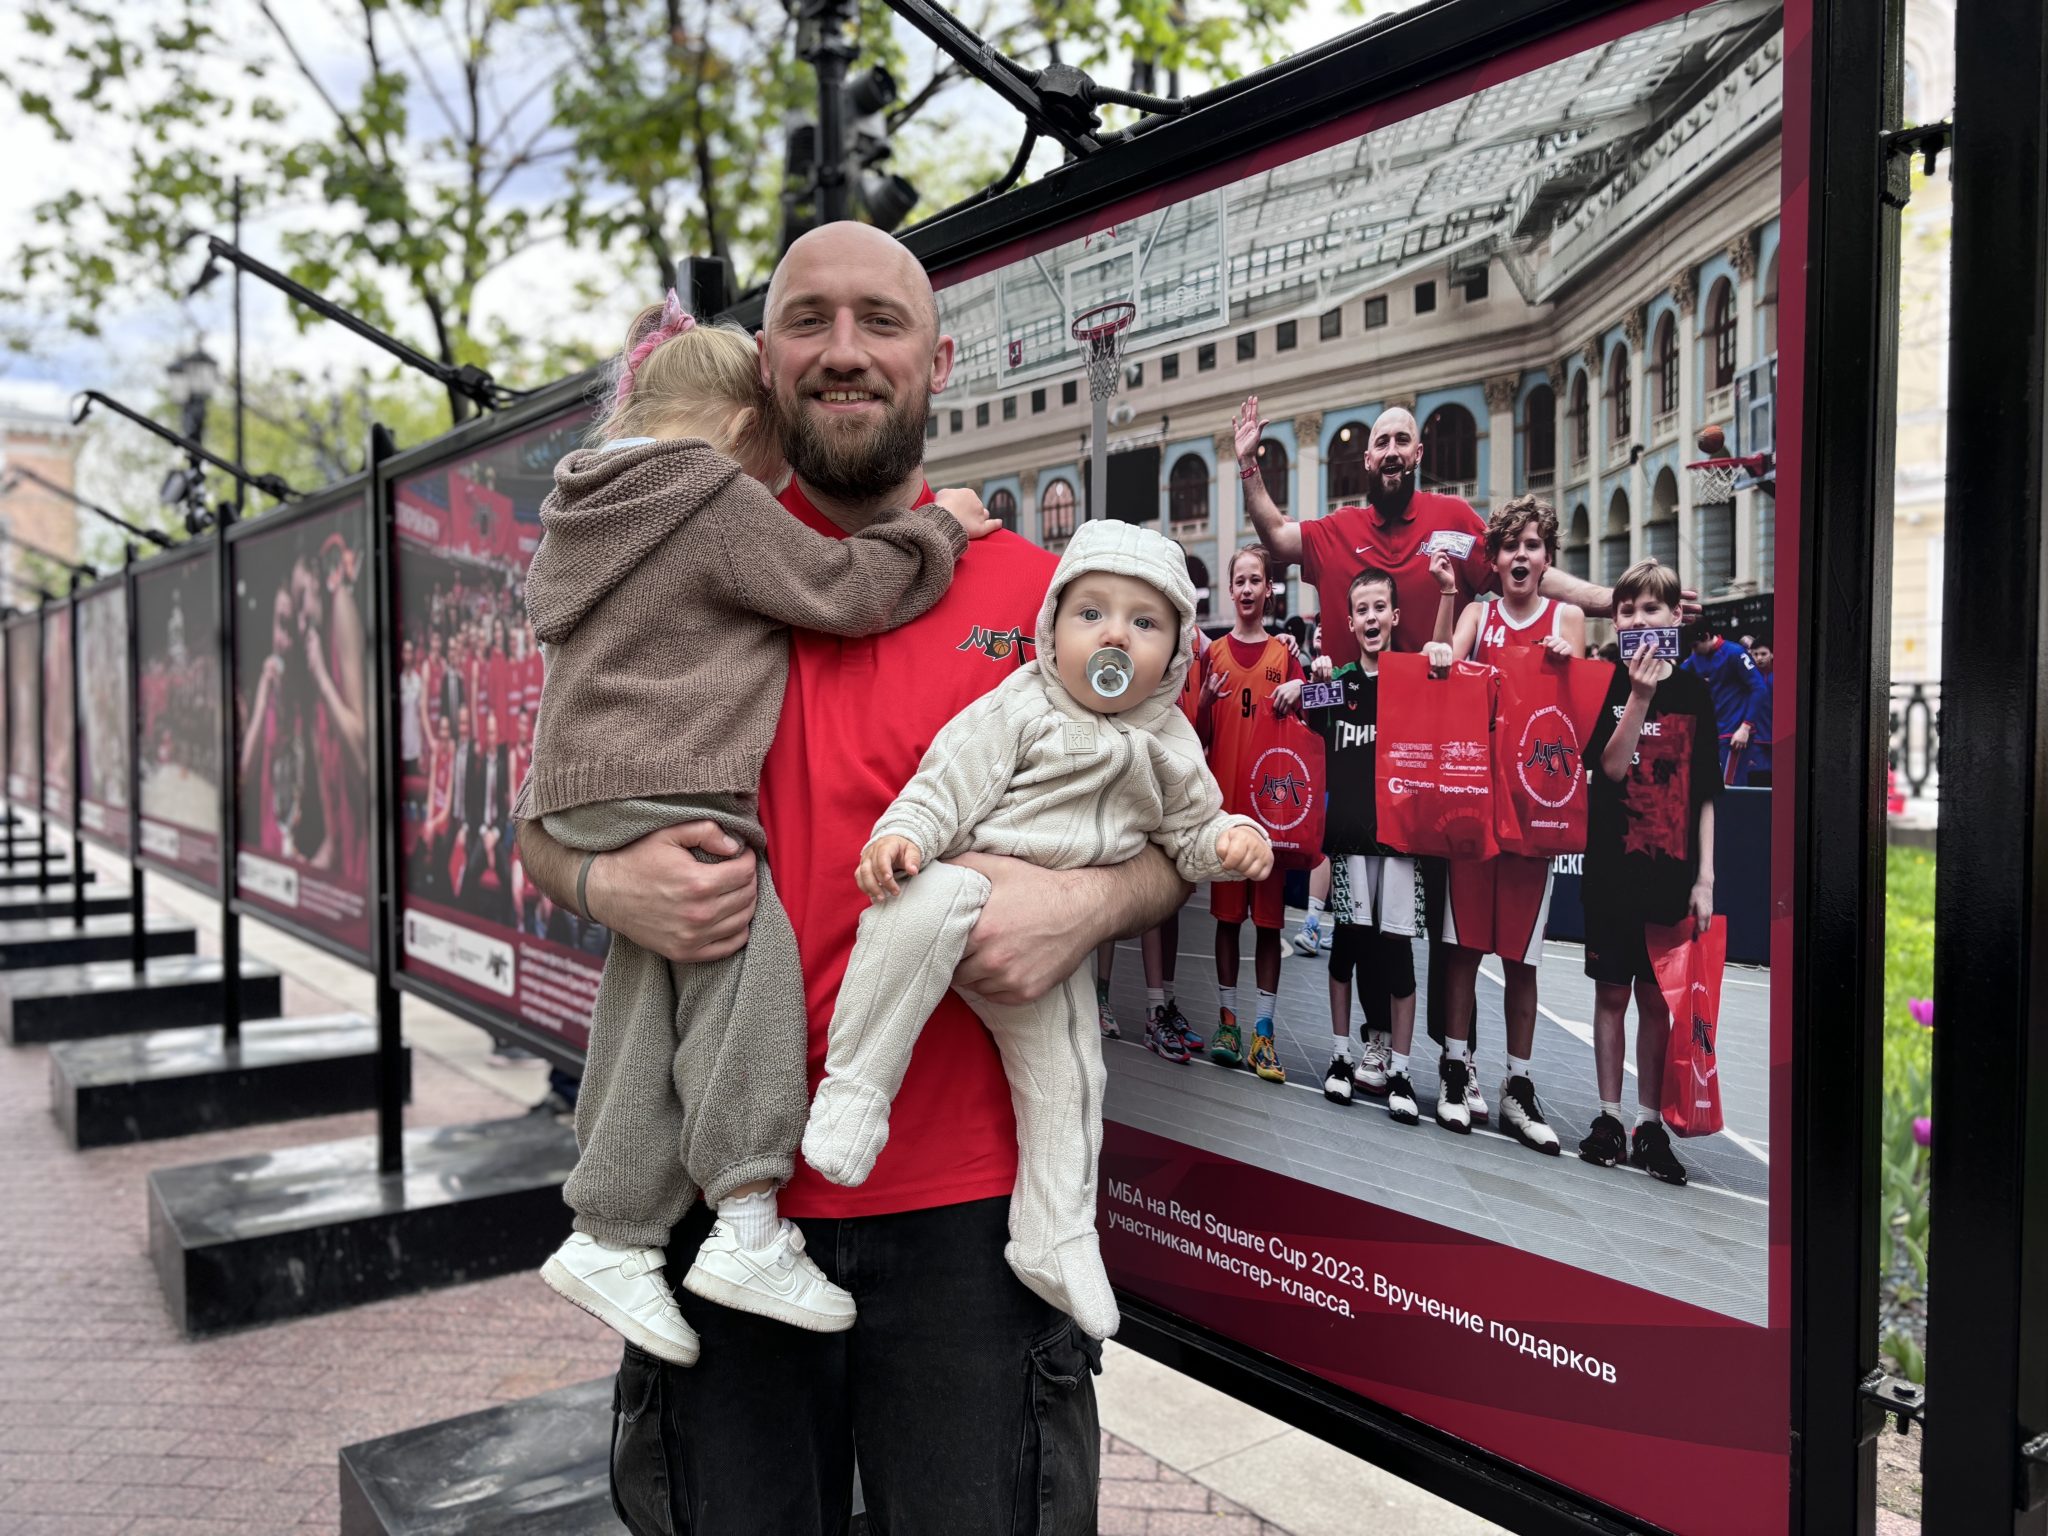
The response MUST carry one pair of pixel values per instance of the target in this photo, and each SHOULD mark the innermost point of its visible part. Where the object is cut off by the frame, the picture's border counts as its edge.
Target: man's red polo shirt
(856, 721)
(1336, 548)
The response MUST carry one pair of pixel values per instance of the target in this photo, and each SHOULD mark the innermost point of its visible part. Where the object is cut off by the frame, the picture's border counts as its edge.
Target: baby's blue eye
(1148, 623)
(1091, 614)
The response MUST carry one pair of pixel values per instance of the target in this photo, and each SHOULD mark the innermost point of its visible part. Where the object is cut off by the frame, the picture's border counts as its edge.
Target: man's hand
(1246, 853)
(1032, 935)
(1246, 432)
(663, 897)
(879, 861)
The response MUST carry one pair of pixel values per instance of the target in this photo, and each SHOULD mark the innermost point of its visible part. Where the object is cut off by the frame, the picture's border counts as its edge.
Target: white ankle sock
(1518, 1066)
(1226, 998)
(1343, 1044)
(1611, 1110)
(1266, 1002)
(1458, 1050)
(752, 1218)
(1400, 1062)
(1155, 997)
(1315, 907)
(1647, 1116)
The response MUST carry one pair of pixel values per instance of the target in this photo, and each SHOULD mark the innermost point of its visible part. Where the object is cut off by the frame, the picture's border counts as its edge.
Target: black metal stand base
(79, 1002)
(32, 943)
(540, 1464)
(13, 877)
(259, 1239)
(177, 1082)
(18, 902)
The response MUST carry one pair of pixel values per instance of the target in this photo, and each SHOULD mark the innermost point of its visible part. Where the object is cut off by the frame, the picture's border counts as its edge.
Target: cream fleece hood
(1123, 549)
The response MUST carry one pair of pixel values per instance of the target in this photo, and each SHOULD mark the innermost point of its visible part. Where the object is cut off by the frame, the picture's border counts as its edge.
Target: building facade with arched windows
(1579, 365)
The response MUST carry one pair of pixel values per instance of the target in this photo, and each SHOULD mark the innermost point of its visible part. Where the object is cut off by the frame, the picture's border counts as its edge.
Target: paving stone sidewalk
(112, 1425)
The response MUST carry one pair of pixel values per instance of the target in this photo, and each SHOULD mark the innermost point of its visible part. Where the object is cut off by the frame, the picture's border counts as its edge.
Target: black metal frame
(21, 624)
(1988, 1338)
(316, 504)
(117, 582)
(193, 549)
(542, 406)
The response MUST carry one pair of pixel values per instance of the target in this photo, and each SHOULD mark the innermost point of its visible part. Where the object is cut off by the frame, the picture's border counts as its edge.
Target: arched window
(1582, 427)
(1660, 533)
(1618, 417)
(1721, 335)
(1187, 490)
(1273, 470)
(1198, 577)
(1056, 510)
(1002, 506)
(1614, 539)
(1450, 448)
(1347, 463)
(1539, 436)
(1578, 544)
(1667, 365)
(1767, 318)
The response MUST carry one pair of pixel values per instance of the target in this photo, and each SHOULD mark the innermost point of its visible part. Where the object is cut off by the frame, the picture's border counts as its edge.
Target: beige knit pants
(695, 1074)
(902, 965)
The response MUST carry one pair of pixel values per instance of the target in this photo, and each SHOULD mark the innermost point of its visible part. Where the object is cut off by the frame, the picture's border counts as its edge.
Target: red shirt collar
(792, 497)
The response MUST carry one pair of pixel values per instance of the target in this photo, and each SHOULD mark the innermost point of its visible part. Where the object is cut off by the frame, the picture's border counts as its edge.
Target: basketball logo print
(1280, 788)
(1548, 760)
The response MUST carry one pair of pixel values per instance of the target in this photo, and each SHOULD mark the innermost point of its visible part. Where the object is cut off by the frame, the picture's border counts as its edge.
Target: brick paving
(113, 1425)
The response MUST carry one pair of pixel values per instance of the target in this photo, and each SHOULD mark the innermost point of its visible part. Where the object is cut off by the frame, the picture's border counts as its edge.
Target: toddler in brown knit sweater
(663, 592)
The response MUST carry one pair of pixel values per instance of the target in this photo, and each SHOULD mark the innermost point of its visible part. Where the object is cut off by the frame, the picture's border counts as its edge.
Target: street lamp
(193, 380)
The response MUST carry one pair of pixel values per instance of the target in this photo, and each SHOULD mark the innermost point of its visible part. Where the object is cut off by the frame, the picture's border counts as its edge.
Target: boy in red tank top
(1246, 669)
(1500, 905)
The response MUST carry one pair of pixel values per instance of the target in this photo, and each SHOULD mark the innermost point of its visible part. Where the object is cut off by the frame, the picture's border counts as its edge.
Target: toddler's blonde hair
(704, 381)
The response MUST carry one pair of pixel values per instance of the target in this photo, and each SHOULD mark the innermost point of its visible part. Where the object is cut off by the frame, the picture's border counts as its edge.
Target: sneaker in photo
(1308, 940)
(1227, 1045)
(1105, 1020)
(1451, 1096)
(1337, 1080)
(623, 1288)
(779, 1281)
(1401, 1106)
(1161, 1038)
(1183, 1027)
(1375, 1061)
(1522, 1115)
(1606, 1143)
(1264, 1060)
(1652, 1153)
(1475, 1101)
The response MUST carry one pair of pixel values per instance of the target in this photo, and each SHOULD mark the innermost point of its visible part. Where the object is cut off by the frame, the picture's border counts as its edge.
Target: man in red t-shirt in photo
(960, 1392)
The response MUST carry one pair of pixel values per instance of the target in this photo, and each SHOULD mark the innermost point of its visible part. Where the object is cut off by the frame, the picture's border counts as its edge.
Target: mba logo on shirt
(997, 644)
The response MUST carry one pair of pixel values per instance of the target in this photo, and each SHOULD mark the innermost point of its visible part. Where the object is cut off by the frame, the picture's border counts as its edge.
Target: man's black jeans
(969, 1399)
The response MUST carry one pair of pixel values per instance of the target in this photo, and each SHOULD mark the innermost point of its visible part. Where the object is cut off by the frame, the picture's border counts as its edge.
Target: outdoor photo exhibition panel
(1565, 261)
(24, 710)
(106, 728)
(178, 702)
(303, 670)
(57, 723)
(473, 932)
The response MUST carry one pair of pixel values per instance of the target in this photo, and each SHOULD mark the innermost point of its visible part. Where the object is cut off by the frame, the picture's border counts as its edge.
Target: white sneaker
(778, 1281)
(1375, 1061)
(1401, 1105)
(1337, 1080)
(623, 1289)
(1522, 1114)
(1451, 1112)
(1475, 1101)
(1308, 940)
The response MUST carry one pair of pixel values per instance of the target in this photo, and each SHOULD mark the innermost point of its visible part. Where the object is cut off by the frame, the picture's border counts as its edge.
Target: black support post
(230, 920)
(139, 952)
(77, 767)
(1987, 1351)
(386, 860)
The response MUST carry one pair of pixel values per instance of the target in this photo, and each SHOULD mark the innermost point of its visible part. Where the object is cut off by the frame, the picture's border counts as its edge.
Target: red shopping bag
(1548, 705)
(1435, 790)
(1688, 966)
(1284, 789)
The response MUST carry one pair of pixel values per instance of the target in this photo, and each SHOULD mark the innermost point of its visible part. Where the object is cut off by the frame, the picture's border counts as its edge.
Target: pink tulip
(1923, 1130)
(1922, 1009)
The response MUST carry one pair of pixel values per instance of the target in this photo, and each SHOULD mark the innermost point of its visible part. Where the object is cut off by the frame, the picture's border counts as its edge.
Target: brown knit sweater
(664, 589)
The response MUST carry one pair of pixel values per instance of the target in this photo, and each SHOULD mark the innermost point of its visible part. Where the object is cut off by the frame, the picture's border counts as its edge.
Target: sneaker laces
(1523, 1093)
(1456, 1078)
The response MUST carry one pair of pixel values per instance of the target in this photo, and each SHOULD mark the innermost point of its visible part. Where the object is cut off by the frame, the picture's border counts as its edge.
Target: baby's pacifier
(1109, 672)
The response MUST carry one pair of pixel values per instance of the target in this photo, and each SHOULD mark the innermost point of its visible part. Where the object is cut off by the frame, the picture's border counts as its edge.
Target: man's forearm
(1281, 537)
(1133, 897)
(550, 865)
(1591, 597)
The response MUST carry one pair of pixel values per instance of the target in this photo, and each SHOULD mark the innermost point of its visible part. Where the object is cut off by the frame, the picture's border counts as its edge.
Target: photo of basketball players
(24, 714)
(302, 722)
(103, 704)
(469, 680)
(57, 734)
(177, 621)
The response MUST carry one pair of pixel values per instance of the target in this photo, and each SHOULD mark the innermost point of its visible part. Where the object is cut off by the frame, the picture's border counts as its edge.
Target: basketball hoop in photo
(1713, 480)
(1102, 332)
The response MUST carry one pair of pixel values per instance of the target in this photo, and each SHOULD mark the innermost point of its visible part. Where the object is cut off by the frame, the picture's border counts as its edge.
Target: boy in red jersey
(1499, 905)
(1246, 670)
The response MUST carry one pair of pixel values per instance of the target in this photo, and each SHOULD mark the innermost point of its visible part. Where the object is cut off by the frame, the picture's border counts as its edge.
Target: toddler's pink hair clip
(674, 321)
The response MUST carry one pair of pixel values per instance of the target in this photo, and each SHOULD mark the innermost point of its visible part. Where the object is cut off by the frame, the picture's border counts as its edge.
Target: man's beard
(854, 468)
(1391, 501)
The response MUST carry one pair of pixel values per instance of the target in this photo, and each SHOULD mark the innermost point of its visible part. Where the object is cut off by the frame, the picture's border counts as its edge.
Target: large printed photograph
(1526, 319)
(469, 681)
(302, 723)
(178, 701)
(24, 711)
(106, 725)
(57, 721)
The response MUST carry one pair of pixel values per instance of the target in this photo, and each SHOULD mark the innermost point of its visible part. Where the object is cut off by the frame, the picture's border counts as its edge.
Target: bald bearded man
(967, 1400)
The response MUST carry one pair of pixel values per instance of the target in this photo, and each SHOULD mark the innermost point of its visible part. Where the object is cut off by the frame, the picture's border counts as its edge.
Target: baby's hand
(880, 861)
(1323, 669)
(1557, 645)
(1245, 852)
(1438, 655)
(968, 511)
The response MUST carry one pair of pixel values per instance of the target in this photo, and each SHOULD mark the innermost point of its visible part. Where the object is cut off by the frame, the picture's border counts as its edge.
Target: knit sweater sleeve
(883, 576)
(964, 773)
(1191, 816)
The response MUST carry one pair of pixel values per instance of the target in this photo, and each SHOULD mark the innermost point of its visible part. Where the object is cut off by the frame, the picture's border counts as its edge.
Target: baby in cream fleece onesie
(1077, 759)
